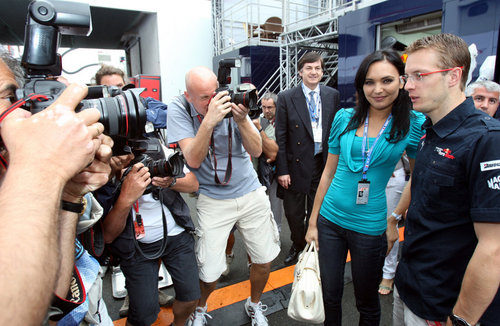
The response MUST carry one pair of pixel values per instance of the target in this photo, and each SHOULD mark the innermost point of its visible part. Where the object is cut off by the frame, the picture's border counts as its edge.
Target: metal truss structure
(308, 25)
(321, 38)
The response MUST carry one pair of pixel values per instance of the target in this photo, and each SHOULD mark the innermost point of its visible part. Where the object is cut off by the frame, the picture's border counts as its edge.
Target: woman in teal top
(349, 210)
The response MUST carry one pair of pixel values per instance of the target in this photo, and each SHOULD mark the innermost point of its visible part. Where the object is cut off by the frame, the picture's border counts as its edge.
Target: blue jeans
(367, 258)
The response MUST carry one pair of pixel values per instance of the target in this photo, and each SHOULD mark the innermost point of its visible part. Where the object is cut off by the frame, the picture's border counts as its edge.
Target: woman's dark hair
(401, 109)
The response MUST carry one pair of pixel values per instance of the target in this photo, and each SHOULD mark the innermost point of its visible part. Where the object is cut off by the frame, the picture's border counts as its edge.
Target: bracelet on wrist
(174, 181)
(397, 216)
(458, 321)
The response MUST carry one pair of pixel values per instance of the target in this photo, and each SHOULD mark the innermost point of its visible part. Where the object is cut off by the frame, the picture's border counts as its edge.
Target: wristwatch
(78, 208)
(397, 216)
(458, 321)
(172, 183)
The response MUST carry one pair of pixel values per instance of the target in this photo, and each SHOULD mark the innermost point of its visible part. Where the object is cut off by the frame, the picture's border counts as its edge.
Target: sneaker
(198, 317)
(229, 260)
(256, 313)
(118, 283)
(124, 308)
(165, 299)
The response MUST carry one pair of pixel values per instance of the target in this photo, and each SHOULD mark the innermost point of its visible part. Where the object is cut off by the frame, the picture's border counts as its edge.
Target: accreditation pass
(363, 191)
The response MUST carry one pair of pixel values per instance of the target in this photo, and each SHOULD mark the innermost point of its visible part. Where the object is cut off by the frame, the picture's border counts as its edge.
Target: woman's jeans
(367, 258)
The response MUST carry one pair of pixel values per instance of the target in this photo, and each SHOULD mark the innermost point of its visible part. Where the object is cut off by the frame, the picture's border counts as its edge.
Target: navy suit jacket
(294, 134)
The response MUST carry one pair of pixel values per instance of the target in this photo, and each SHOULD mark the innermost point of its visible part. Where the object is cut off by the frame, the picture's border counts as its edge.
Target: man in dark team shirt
(449, 273)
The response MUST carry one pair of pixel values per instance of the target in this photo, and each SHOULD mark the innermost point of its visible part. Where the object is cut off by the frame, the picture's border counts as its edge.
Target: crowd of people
(418, 148)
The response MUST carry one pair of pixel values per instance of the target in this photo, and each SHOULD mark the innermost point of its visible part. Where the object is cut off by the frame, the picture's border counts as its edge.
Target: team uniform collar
(450, 122)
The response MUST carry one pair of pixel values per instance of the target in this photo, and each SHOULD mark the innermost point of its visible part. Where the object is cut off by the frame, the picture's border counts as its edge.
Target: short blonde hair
(452, 51)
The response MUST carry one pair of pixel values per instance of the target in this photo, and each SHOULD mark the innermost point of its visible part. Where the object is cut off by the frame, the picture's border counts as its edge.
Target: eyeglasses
(420, 75)
(267, 107)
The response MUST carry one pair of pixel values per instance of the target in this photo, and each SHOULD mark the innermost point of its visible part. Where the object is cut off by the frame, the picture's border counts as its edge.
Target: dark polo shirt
(455, 183)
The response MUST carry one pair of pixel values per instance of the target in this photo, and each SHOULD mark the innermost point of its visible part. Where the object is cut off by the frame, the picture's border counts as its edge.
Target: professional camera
(123, 113)
(150, 153)
(242, 95)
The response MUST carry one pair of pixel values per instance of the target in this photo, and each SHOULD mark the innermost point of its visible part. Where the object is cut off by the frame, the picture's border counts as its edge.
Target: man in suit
(303, 120)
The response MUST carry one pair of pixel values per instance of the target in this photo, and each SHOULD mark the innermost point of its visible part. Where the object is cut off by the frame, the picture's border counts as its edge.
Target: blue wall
(475, 23)
(264, 60)
(357, 31)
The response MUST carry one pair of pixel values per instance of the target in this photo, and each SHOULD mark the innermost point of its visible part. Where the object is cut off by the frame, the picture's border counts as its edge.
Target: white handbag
(306, 301)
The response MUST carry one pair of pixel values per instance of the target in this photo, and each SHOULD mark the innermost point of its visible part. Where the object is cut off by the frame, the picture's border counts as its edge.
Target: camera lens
(122, 115)
(173, 167)
(247, 98)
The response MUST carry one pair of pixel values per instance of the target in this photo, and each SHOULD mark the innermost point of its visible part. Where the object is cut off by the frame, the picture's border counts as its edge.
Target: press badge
(139, 227)
(317, 134)
(363, 191)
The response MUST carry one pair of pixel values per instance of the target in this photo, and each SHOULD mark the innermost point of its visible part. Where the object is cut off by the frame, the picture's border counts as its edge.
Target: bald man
(217, 150)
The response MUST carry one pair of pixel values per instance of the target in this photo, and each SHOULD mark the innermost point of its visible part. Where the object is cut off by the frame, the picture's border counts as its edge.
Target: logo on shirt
(494, 183)
(490, 165)
(444, 152)
(422, 143)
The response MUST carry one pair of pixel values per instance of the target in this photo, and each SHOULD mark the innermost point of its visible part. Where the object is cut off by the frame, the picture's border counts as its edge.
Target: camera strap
(11, 109)
(163, 246)
(76, 295)
(211, 148)
(213, 158)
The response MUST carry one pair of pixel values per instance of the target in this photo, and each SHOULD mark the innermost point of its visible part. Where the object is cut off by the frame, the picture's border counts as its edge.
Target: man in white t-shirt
(159, 220)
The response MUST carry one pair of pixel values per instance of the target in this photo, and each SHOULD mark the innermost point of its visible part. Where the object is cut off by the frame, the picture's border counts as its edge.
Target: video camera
(123, 113)
(242, 95)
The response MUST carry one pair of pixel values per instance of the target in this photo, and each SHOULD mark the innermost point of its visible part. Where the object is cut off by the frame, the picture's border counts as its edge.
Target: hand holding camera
(218, 108)
(62, 141)
(135, 183)
(92, 177)
(163, 182)
(240, 112)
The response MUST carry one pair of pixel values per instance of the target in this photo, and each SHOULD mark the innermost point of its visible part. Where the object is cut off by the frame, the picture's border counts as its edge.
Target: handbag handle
(311, 249)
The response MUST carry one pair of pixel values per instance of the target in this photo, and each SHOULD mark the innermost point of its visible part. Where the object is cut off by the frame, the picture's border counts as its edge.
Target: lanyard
(136, 206)
(211, 152)
(368, 158)
(313, 106)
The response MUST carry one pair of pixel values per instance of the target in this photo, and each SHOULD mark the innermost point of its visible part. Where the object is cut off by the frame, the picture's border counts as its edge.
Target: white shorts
(251, 213)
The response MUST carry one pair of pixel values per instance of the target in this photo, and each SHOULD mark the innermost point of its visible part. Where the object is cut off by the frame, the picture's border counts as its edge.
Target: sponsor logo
(422, 142)
(490, 165)
(494, 183)
(444, 152)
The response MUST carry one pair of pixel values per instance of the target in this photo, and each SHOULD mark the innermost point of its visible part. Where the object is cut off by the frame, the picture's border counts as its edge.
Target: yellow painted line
(237, 292)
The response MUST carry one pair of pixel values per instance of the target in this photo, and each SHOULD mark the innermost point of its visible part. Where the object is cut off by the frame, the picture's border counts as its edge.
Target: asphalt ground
(276, 299)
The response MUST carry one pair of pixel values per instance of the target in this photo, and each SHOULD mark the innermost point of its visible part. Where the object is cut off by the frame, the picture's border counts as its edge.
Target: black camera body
(150, 153)
(242, 95)
(123, 113)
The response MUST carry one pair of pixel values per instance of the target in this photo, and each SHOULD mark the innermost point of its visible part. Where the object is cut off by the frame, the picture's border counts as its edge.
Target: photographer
(228, 196)
(47, 153)
(162, 222)
(110, 76)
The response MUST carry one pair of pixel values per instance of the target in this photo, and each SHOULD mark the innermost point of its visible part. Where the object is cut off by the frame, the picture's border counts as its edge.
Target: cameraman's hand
(218, 108)
(135, 184)
(57, 141)
(162, 182)
(256, 123)
(94, 176)
(240, 112)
